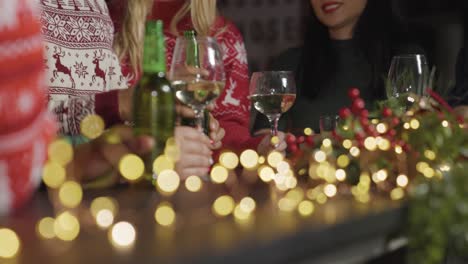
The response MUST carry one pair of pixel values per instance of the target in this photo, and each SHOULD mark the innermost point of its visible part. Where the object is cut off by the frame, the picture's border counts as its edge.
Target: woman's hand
(195, 152)
(266, 145)
(217, 133)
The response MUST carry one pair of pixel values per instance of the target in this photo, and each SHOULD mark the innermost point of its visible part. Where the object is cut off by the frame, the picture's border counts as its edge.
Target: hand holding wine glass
(272, 94)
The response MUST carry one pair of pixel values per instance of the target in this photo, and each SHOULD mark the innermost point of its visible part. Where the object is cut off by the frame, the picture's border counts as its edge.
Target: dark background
(271, 26)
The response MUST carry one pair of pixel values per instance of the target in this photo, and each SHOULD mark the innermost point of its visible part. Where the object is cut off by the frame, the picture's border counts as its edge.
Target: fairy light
(345, 128)
(9, 243)
(274, 141)
(384, 144)
(347, 144)
(414, 123)
(290, 182)
(283, 167)
(402, 180)
(172, 150)
(380, 176)
(355, 152)
(308, 131)
(326, 143)
(444, 168)
(421, 166)
(162, 163)
(381, 128)
(286, 204)
(412, 100)
(165, 215)
(370, 143)
(45, 228)
(342, 161)
(249, 159)
(429, 172)
(103, 203)
(445, 123)
(53, 174)
(330, 190)
(247, 204)
(266, 173)
(122, 235)
(167, 182)
(240, 215)
(306, 208)
(397, 193)
(61, 152)
(104, 218)
(229, 160)
(131, 167)
(406, 126)
(320, 156)
(398, 149)
(375, 121)
(70, 194)
(219, 174)
(223, 206)
(274, 158)
(429, 154)
(261, 160)
(340, 175)
(193, 183)
(66, 226)
(302, 172)
(92, 126)
(321, 198)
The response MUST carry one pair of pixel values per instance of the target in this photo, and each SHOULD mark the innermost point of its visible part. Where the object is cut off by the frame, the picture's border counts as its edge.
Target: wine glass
(273, 93)
(199, 85)
(408, 74)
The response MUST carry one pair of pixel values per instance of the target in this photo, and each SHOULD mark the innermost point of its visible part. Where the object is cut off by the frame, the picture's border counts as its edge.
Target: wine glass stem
(199, 118)
(274, 119)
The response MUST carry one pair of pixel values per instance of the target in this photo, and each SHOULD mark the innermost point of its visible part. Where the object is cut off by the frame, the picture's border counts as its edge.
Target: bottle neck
(154, 53)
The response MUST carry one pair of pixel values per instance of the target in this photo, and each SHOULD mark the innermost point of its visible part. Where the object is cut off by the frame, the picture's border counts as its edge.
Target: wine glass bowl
(200, 82)
(408, 74)
(272, 94)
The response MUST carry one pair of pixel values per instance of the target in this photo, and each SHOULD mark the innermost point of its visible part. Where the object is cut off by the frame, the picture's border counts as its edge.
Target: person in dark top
(348, 43)
(458, 96)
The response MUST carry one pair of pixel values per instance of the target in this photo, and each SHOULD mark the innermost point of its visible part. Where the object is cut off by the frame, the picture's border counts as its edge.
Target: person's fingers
(217, 140)
(194, 161)
(184, 111)
(194, 147)
(190, 133)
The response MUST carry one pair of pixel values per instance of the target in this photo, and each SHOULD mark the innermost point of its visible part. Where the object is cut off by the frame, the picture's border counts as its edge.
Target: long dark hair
(374, 34)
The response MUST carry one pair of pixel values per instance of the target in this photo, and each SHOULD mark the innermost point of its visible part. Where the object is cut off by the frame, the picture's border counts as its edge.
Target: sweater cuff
(107, 106)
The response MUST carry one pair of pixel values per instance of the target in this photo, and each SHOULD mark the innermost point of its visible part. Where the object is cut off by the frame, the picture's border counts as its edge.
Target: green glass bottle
(154, 99)
(192, 59)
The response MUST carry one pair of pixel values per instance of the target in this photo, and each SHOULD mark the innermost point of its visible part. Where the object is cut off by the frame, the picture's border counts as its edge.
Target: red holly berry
(391, 133)
(345, 113)
(364, 121)
(364, 113)
(370, 129)
(395, 121)
(358, 105)
(460, 120)
(290, 139)
(387, 112)
(406, 147)
(300, 140)
(293, 148)
(354, 93)
(360, 136)
(310, 140)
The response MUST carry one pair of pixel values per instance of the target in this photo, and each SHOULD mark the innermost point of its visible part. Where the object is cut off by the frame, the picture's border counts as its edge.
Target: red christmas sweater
(232, 108)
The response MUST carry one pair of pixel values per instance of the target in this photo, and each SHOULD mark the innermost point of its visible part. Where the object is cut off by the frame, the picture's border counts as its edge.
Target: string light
(347, 144)
(45, 228)
(306, 208)
(326, 143)
(286, 205)
(171, 150)
(429, 172)
(131, 167)
(162, 163)
(122, 235)
(249, 159)
(445, 123)
(370, 143)
(261, 160)
(308, 131)
(381, 128)
(330, 190)
(320, 156)
(355, 152)
(406, 126)
(223, 206)
(193, 183)
(398, 149)
(247, 205)
(274, 158)
(429, 154)
(167, 182)
(342, 161)
(421, 166)
(402, 180)
(104, 218)
(66, 226)
(229, 160)
(165, 215)
(340, 175)
(70, 194)
(397, 194)
(384, 144)
(92, 126)
(219, 174)
(103, 203)
(9, 243)
(283, 167)
(414, 123)
(53, 175)
(274, 141)
(61, 152)
(266, 173)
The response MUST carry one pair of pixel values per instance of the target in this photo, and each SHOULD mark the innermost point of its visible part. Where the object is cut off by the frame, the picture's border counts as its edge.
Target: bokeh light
(347, 144)
(320, 156)
(168, 181)
(308, 131)
(414, 123)
(261, 160)
(247, 204)
(380, 176)
(193, 183)
(274, 158)
(223, 206)
(397, 194)
(398, 149)
(66, 226)
(219, 174)
(381, 128)
(370, 143)
(406, 125)
(286, 205)
(162, 163)
(45, 228)
(131, 167)
(171, 150)
(306, 208)
(327, 143)
(53, 174)
(104, 218)
(384, 144)
(9, 243)
(240, 214)
(122, 234)
(340, 175)
(274, 141)
(229, 160)
(61, 152)
(342, 161)
(445, 123)
(402, 180)
(92, 126)
(266, 173)
(249, 159)
(283, 167)
(330, 190)
(103, 203)
(430, 155)
(355, 152)
(165, 214)
(70, 194)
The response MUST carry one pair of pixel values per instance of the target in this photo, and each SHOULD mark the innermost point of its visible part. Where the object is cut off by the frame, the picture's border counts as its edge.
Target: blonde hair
(129, 40)
(202, 12)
